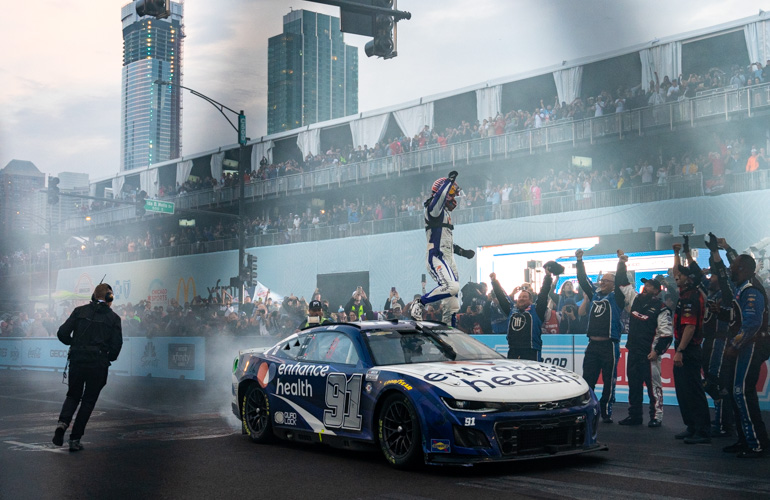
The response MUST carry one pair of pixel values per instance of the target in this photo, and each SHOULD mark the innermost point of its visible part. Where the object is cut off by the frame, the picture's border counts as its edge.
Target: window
(331, 347)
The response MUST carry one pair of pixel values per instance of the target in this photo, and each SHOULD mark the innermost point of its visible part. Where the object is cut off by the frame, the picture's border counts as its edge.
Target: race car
(422, 392)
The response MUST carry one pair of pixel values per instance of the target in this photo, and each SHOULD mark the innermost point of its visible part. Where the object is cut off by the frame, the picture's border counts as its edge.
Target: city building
(22, 203)
(312, 75)
(151, 115)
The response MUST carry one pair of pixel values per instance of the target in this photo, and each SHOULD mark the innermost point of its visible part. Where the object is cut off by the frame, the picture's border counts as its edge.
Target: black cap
(654, 283)
(687, 272)
(315, 304)
(553, 267)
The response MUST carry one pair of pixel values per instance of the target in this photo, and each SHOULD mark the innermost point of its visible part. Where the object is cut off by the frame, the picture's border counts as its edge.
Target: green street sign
(164, 207)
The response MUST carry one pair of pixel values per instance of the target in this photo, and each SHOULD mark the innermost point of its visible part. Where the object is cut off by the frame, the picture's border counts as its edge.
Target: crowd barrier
(185, 358)
(163, 357)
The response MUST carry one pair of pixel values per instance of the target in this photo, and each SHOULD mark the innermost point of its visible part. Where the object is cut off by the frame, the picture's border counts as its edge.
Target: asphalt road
(151, 438)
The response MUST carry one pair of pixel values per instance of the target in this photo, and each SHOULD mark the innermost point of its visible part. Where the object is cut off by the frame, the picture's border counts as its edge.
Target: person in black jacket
(95, 337)
(650, 333)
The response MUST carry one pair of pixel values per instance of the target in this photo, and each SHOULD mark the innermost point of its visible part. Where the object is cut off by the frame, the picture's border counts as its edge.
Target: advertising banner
(169, 357)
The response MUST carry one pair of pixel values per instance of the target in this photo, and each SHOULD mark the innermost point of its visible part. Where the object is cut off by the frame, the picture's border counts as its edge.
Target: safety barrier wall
(567, 352)
(163, 357)
(185, 358)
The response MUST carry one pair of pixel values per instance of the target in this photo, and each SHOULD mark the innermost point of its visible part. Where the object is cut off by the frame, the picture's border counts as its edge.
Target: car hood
(503, 380)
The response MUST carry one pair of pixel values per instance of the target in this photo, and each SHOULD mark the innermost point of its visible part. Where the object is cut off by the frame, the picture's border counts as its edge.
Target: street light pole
(242, 140)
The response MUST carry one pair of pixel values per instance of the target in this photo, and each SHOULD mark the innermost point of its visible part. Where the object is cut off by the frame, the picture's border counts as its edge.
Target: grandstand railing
(550, 203)
(722, 103)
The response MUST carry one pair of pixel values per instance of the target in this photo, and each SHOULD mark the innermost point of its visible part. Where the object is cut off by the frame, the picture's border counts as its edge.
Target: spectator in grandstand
(359, 305)
(752, 164)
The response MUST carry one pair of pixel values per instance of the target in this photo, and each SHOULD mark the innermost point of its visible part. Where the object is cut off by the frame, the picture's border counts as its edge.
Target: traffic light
(53, 190)
(383, 44)
(252, 269)
(159, 9)
(140, 202)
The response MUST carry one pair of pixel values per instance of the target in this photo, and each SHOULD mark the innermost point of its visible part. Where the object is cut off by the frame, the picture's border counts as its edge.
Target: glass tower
(312, 75)
(151, 115)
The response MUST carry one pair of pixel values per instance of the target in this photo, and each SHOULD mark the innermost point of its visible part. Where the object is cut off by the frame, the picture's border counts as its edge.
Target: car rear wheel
(255, 415)
(399, 432)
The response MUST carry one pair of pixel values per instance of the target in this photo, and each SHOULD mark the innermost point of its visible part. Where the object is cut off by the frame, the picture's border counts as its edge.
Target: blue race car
(423, 392)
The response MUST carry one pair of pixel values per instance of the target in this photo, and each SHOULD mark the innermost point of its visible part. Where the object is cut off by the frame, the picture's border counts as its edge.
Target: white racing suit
(440, 255)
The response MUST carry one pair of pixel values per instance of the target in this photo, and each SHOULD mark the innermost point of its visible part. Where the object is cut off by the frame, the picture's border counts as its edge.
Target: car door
(341, 398)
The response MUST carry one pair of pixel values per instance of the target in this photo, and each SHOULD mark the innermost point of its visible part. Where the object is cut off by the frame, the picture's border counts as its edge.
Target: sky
(60, 72)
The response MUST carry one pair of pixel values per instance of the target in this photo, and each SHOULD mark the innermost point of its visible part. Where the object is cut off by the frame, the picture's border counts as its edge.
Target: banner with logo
(169, 357)
(568, 352)
(51, 355)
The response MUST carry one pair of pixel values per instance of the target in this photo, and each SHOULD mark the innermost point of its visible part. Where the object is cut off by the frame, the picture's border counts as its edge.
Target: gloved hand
(712, 243)
(468, 254)
(686, 244)
(553, 267)
(452, 175)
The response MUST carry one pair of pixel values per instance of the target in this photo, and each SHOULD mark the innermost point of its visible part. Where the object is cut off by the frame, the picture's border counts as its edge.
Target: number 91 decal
(343, 397)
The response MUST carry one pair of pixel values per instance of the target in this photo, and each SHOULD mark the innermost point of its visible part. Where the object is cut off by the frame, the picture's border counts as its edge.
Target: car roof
(380, 325)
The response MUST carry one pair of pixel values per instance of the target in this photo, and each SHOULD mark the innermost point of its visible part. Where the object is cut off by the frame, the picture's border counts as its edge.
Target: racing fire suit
(525, 327)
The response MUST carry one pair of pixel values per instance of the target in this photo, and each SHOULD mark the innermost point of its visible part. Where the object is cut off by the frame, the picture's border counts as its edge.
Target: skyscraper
(312, 75)
(151, 115)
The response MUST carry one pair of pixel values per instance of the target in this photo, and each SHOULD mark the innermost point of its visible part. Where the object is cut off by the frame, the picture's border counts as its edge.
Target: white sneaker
(416, 310)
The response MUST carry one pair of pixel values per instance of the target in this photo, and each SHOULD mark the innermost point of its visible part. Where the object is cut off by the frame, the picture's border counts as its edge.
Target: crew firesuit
(525, 326)
(649, 335)
(440, 259)
(748, 348)
(604, 327)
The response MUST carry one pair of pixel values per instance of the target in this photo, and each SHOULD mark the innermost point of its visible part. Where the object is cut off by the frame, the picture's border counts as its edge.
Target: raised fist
(493, 276)
(677, 247)
(452, 175)
(579, 254)
(712, 243)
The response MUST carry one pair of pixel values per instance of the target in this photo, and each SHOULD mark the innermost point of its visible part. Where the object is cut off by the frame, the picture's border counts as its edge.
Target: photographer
(94, 334)
(359, 305)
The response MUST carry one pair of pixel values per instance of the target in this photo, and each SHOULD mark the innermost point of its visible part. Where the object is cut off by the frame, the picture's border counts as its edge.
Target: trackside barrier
(163, 357)
(185, 357)
(567, 352)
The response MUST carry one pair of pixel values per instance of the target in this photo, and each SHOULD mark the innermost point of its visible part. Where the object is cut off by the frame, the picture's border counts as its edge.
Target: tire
(255, 415)
(399, 432)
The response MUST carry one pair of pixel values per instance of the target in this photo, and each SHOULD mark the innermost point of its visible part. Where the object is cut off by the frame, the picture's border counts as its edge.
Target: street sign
(242, 129)
(164, 207)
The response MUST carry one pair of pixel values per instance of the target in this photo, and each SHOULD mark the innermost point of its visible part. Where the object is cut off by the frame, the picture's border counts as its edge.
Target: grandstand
(367, 203)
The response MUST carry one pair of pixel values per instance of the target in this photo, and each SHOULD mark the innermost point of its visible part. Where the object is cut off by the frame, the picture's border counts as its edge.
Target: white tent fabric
(260, 150)
(413, 120)
(117, 186)
(149, 182)
(568, 83)
(666, 59)
(309, 142)
(216, 165)
(183, 169)
(758, 41)
(488, 102)
(368, 131)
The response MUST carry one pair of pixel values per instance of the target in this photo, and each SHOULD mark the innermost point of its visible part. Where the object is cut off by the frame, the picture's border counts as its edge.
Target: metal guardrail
(550, 203)
(719, 104)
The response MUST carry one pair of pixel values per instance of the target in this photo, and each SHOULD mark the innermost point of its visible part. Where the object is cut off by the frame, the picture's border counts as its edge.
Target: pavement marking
(560, 488)
(699, 478)
(38, 447)
(31, 400)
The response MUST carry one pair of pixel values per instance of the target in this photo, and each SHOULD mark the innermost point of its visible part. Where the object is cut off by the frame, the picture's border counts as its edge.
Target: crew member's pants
(444, 271)
(531, 354)
(746, 366)
(713, 351)
(690, 394)
(601, 357)
(641, 371)
(86, 383)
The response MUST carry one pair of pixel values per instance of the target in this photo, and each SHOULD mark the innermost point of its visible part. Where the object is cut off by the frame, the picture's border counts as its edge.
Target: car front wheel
(399, 432)
(255, 415)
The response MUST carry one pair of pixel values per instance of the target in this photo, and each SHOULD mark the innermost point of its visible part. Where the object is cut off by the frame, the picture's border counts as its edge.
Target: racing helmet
(450, 201)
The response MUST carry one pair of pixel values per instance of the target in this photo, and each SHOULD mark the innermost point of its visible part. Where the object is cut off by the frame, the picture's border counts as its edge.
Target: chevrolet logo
(548, 406)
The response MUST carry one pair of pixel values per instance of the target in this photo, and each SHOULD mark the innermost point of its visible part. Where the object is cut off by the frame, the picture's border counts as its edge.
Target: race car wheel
(255, 415)
(399, 432)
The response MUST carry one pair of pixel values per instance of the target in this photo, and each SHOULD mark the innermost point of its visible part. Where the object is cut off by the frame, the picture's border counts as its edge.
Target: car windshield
(397, 347)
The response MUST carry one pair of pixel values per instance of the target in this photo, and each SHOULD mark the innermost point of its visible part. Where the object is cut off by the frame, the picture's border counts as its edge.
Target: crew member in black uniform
(649, 335)
(688, 335)
(95, 337)
(525, 318)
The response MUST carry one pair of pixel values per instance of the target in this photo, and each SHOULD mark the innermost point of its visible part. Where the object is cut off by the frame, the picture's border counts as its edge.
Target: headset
(109, 296)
